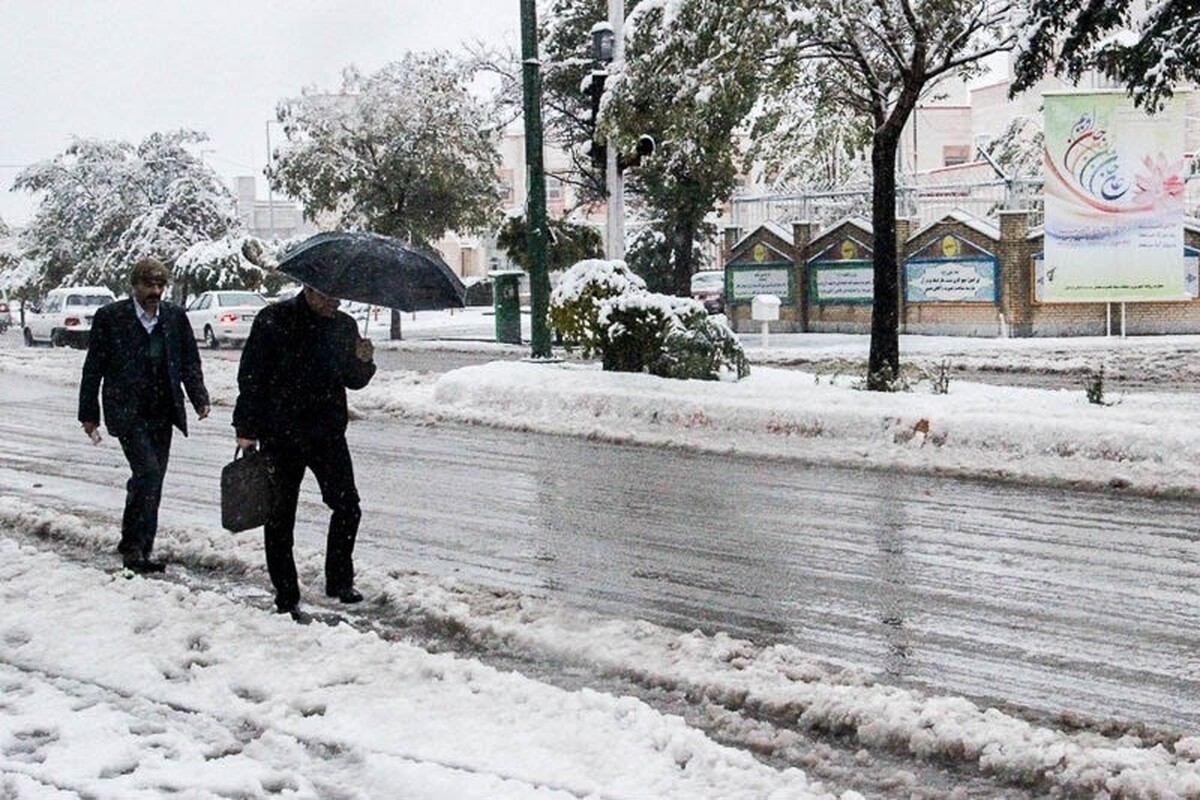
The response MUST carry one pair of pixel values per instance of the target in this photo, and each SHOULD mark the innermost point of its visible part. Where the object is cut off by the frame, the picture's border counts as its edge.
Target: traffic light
(599, 151)
(602, 56)
(644, 149)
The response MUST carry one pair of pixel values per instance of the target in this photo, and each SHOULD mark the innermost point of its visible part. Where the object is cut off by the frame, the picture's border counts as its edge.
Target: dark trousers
(147, 447)
(330, 462)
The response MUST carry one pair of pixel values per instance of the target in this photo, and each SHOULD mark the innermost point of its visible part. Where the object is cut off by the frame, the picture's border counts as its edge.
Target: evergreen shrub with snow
(575, 302)
(602, 308)
(704, 348)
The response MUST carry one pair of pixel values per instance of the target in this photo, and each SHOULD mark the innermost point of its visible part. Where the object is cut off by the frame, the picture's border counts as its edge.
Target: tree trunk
(683, 234)
(883, 365)
(394, 334)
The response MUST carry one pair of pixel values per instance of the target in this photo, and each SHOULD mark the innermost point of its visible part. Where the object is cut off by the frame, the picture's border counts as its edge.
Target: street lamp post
(535, 199)
(614, 182)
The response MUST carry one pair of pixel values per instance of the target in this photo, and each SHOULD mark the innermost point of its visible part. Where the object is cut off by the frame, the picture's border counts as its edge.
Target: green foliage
(221, 264)
(1156, 52)
(569, 243)
(603, 308)
(649, 256)
(565, 42)
(692, 75)
(407, 151)
(702, 348)
(575, 302)
(1094, 389)
(633, 328)
(667, 336)
(652, 256)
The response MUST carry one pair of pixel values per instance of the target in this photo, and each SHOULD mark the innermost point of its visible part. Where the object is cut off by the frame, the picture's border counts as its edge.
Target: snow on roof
(851, 219)
(777, 228)
(970, 220)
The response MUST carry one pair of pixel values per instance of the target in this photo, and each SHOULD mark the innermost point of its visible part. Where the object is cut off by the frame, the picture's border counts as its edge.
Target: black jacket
(112, 360)
(294, 374)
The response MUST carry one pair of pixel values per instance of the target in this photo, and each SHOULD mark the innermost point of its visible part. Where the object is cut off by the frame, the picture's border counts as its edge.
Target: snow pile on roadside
(1148, 441)
(143, 688)
(780, 682)
(774, 682)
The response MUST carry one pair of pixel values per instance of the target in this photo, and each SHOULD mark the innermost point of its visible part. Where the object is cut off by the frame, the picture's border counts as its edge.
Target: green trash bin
(506, 302)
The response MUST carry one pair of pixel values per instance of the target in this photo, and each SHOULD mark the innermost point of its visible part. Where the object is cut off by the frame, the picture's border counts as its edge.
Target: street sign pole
(535, 199)
(614, 182)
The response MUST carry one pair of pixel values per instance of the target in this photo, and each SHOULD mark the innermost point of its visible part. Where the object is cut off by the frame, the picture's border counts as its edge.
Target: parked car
(224, 316)
(64, 317)
(709, 288)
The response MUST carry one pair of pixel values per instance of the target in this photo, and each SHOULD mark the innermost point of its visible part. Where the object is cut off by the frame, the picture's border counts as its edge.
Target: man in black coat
(301, 357)
(141, 351)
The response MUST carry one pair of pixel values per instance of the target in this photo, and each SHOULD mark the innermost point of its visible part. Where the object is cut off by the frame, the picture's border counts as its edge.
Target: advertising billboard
(1114, 199)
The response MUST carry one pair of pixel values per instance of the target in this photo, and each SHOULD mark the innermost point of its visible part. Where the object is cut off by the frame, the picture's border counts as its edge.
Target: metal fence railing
(923, 199)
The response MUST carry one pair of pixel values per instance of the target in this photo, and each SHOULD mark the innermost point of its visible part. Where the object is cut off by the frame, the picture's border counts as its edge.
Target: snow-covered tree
(1019, 149)
(104, 205)
(407, 151)
(1151, 47)
(795, 143)
(568, 243)
(875, 59)
(219, 264)
(89, 194)
(691, 75)
(16, 272)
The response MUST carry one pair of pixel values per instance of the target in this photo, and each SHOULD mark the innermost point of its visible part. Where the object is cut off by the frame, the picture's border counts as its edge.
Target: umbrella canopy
(375, 269)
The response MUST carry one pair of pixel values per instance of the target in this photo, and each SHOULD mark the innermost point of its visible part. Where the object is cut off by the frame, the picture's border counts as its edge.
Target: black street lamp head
(602, 43)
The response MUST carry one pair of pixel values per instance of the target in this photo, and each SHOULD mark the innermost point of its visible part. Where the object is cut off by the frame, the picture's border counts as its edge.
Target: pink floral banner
(1114, 200)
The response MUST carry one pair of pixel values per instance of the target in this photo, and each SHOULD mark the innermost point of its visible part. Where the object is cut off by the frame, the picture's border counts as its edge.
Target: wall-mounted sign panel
(850, 282)
(744, 281)
(951, 280)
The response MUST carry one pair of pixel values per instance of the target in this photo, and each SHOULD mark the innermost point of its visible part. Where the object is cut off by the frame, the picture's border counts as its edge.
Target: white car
(65, 316)
(709, 288)
(224, 316)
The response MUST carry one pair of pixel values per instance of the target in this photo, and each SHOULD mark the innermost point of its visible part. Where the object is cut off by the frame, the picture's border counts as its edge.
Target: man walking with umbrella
(301, 357)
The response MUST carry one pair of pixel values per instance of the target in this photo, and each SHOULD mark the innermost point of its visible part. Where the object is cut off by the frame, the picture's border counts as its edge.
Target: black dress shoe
(286, 606)
(347, 594)
(143, 566)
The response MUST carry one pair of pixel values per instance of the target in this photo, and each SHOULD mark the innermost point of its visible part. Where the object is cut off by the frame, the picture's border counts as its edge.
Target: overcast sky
(122, 69)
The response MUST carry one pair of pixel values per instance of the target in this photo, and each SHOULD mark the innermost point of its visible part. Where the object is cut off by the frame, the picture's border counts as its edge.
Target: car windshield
(708, 280)
(89, 300)
(240, 299)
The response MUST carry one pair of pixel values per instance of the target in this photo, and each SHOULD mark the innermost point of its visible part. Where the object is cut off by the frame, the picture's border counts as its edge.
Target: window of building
(507, 195)
(955, 154)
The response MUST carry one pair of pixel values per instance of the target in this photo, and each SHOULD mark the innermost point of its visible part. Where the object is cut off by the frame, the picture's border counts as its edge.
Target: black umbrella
(375, 269)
